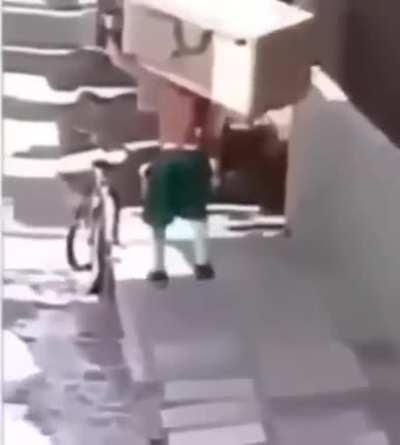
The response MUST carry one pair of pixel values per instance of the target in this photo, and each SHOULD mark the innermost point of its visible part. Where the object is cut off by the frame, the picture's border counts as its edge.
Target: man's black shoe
(159, 278)
(204, 272)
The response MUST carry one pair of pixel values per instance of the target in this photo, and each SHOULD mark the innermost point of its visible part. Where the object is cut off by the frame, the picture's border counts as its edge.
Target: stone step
(111, 122)
(210, 414)
(51, 4)
(249, 434)
(375, 438)
(134, 230)
(21, 110)
(40, 152)
(24, 26)
(209, 390)
(34, 183)
(46, 140)
(295, 368)
(65, 69)
(33, 196)
(21, 136)
(29, 97)
(7, 212)
(215, 351)
(35, 89)
(48, 253)
(106, 116)
(323, 426)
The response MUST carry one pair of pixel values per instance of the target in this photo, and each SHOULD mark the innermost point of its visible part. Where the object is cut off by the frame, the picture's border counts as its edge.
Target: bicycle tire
(71, 257)
(103, 282)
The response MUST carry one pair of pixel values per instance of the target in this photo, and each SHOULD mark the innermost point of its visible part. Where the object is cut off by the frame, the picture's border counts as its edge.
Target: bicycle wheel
(101, 250)
(72, 257)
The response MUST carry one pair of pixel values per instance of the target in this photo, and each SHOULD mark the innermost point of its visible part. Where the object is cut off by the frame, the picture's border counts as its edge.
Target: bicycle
(97, 218)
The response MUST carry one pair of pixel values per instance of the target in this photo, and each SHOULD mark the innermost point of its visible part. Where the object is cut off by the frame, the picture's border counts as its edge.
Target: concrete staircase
(152, 367)
(219, 411)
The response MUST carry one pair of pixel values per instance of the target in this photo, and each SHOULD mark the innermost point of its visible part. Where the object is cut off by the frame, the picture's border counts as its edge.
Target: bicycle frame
(101, 213)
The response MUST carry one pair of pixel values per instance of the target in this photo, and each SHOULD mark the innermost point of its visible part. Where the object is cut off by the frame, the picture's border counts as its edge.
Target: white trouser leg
(200, 243)
(158, 249)
(144, 172)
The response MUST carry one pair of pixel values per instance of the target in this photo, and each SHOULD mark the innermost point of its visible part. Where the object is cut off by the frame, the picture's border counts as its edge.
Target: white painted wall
(343, 205)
